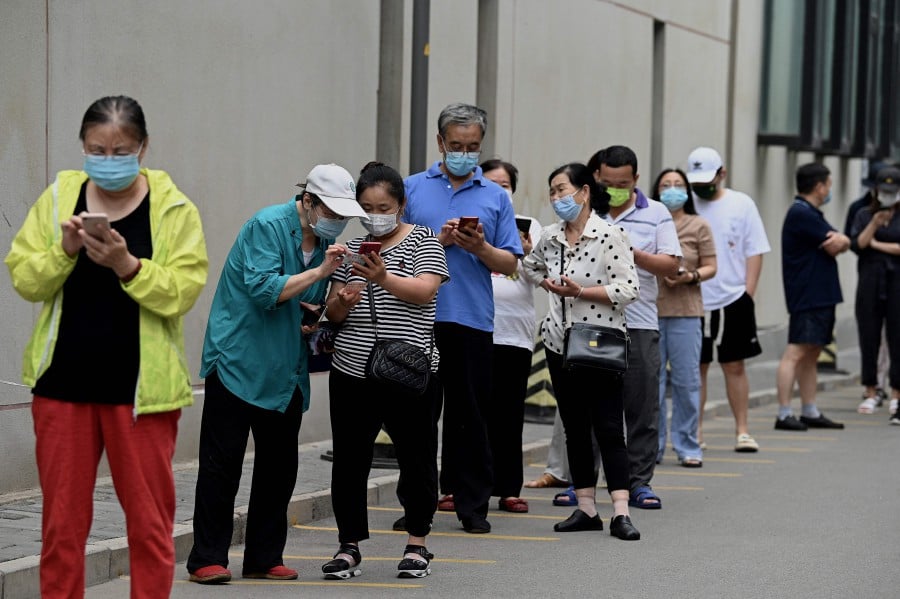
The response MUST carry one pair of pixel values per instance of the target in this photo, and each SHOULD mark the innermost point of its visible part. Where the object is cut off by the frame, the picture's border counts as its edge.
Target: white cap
(335, 187)
(703, 165)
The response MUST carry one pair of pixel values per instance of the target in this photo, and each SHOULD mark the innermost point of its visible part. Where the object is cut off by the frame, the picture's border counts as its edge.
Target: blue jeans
(679, 345)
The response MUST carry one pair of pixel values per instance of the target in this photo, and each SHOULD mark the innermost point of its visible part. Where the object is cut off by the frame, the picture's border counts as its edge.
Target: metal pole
(418, 125)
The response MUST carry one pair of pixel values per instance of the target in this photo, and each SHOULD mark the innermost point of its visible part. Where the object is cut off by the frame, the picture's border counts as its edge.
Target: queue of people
(116, 254)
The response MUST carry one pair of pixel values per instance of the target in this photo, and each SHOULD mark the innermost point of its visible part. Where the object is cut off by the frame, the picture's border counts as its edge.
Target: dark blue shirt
(809, 273)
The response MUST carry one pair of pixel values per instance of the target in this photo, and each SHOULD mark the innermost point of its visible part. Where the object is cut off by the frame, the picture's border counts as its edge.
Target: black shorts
(733, 331)
(813, 327)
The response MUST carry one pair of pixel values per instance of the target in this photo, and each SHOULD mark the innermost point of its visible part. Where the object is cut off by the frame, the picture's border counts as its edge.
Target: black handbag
(397, 363)
(593, 345)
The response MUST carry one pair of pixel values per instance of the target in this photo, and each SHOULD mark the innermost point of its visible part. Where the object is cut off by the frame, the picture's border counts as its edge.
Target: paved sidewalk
(107, 551)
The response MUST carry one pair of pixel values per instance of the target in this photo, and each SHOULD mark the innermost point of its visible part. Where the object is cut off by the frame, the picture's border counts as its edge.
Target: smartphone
(468, 223)
(369, 247)
(96, 224)
(523, 224)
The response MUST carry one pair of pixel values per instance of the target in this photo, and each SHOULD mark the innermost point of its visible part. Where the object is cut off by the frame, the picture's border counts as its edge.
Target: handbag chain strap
(370, 291)
(562, 298)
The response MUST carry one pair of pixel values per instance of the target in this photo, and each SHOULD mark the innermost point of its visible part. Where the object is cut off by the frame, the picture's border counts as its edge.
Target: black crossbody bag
(398, 363)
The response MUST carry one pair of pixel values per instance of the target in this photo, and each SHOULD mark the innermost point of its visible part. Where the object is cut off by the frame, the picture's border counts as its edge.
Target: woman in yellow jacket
(106, 359)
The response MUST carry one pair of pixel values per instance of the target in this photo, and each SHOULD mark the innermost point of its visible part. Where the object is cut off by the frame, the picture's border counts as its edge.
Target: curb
(108, 560)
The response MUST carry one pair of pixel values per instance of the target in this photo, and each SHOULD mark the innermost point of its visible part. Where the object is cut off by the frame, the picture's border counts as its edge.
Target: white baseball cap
(335, 187)
(703, 165)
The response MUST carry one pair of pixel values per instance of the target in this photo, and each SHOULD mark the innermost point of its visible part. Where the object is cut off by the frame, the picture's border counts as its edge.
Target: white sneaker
(893, 406)
(868, 406)
(746, 443)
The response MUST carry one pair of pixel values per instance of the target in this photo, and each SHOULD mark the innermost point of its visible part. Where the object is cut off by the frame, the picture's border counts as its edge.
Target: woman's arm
(883, 246)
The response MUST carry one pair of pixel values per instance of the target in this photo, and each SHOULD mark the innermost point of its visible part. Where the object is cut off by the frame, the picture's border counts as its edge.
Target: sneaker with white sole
(868, 406)
(895, 419)
(746, 444)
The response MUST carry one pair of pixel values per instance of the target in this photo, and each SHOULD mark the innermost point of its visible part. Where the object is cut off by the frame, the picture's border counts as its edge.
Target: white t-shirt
(514, 319)
(739, 234)
(651, 229)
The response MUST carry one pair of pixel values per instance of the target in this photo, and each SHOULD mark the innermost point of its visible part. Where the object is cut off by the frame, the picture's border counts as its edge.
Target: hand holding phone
(468, 224)
(95, 224)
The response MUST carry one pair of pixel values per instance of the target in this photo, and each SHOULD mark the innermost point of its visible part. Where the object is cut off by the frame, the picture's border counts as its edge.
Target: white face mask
(380, 225)
(509, 192)
(888, 199)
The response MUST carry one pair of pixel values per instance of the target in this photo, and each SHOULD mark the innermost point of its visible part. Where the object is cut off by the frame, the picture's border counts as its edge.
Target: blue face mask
(112, 173)
(673, 198)
(567, 208)
(461, 163)
(328, 228)
(827, 198)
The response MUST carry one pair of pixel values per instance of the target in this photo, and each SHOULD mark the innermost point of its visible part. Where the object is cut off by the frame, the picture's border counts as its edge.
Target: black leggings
(591, 402)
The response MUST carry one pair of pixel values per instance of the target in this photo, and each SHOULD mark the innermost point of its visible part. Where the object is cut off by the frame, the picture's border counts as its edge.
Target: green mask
(618, 196)
(705, 192)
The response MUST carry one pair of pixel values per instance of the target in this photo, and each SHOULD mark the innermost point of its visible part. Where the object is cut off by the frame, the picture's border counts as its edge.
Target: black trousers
(224, 429)
(590, 402)
(359, 408)
(877, 299)
(465, 373)
(505, 417)
(641, 401)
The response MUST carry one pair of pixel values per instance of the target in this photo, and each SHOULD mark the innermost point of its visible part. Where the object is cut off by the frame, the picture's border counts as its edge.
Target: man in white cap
(255, 366)
(730, 321)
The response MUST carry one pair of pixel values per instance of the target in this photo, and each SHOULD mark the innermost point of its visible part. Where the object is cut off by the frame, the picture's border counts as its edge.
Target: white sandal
(868, 406)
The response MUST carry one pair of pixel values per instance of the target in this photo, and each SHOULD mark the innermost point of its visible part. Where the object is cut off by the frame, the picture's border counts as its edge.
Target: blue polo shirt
(253, 342)
(468, 298)
(809, 273)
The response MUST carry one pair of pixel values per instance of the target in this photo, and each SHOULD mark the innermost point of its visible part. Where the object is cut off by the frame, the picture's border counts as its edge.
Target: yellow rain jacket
(166, 287)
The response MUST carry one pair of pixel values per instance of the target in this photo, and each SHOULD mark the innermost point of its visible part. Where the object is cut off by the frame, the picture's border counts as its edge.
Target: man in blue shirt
(812, 290)
(438, 198)
(255, 366)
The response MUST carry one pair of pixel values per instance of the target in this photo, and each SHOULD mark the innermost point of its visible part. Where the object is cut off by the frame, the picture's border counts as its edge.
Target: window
(831, 76)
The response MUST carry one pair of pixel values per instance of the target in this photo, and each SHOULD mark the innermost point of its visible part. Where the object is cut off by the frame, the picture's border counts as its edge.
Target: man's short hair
(810, 175)
(461, 114)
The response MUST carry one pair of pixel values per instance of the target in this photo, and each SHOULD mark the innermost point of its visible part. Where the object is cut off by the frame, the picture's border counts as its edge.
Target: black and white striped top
(418, 253)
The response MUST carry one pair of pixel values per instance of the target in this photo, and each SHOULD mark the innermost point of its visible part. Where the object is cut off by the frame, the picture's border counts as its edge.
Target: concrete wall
(242, 99)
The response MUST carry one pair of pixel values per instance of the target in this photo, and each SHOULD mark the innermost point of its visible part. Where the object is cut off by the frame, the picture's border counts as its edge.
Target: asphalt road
(813, 514)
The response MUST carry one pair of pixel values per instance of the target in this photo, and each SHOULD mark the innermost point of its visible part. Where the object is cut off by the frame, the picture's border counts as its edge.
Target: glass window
(782, 68)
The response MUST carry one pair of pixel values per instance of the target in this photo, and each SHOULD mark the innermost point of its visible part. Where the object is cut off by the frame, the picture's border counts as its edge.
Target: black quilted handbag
(397, 363)
(400, 364)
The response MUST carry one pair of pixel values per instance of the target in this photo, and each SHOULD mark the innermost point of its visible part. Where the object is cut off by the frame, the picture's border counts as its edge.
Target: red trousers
(71, 437)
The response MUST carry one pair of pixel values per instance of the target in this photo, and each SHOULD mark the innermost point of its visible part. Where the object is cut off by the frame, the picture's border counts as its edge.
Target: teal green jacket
(253, 341)
(166, 287)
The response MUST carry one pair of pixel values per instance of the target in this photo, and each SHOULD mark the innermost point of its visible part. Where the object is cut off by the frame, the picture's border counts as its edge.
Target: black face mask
(704, 192)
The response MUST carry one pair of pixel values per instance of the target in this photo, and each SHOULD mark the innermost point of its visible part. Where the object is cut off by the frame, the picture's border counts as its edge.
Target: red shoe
(514, 504)
(274, 573)
(214, 574)
(446, 504)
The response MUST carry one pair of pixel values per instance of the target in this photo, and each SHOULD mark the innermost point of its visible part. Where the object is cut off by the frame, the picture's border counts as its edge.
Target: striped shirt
(418, 253)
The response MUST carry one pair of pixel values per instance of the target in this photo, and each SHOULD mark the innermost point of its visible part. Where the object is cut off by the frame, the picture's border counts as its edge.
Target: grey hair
(461, 114)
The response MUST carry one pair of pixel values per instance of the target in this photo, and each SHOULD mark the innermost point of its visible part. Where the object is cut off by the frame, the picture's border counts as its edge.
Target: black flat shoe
(399, 524)
(476, 525)
(579, 521)
(622, 527)
(821, 422)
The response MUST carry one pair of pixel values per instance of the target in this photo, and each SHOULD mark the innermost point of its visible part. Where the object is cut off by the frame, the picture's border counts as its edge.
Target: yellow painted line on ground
(463, 535)
(695, 472)
(738, 460)
(493, 514)
(369, 558)
(323, 583)
(782, 437)
(766, 449)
